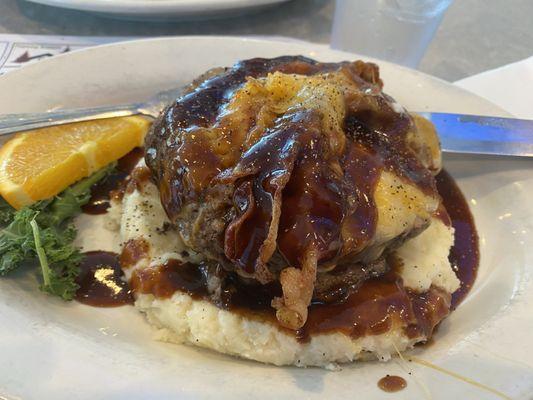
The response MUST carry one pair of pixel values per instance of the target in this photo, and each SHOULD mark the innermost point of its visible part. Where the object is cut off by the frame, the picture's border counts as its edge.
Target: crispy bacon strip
(261, 175)
(285, 172)
(297, 285)
(262, 243)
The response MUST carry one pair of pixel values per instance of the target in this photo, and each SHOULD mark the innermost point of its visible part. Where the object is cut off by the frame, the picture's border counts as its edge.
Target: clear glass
(393, 30)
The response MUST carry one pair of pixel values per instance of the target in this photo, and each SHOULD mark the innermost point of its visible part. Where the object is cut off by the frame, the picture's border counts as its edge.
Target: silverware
(12, 123)
(474, 134)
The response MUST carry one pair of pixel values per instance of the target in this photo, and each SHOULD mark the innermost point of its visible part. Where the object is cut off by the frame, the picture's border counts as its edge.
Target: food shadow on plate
(25, 278)
(469, 165)
(308, 382)
(311, 380)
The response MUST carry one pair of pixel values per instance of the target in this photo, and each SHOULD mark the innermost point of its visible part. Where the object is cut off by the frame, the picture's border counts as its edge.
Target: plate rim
(258, 40)
(185, 8)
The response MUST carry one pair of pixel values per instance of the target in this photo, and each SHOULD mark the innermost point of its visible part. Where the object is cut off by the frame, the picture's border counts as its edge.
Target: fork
(12, 123)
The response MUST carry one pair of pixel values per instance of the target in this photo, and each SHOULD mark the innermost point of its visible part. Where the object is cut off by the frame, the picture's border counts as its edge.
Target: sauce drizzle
(100, 191)
(464, 255)
(372, 309)
(299, 184)
(392, 383)
(100, 281)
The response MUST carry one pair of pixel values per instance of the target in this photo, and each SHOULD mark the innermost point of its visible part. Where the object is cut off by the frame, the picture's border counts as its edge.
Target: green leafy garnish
(45, 231)
(6, 212)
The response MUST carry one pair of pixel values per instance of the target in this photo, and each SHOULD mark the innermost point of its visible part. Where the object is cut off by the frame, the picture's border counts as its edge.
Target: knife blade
(475, 134)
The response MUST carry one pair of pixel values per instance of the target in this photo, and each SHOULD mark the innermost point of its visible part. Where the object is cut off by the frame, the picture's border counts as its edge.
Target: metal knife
(474, 134)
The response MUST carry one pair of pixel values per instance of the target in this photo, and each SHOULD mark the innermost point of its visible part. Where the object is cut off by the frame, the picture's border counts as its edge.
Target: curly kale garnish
(45, 232)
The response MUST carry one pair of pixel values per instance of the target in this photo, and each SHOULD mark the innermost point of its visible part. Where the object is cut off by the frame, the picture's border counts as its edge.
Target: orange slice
(37, 165)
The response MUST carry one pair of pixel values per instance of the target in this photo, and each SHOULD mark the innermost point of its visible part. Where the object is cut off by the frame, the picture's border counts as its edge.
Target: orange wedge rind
(37, 165)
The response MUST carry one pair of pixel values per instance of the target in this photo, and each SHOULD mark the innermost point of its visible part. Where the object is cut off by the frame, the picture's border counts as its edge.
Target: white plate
(52, 349)
(163, 9)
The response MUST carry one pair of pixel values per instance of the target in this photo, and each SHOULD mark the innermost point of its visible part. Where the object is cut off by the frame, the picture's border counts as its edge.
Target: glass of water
(393, 30)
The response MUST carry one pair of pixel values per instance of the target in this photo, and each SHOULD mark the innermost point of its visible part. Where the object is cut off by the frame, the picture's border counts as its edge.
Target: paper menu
(19, 50)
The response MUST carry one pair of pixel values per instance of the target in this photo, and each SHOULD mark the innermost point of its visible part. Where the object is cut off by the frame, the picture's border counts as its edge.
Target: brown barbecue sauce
(464, 254)
(374, 308)
(320, 188)
(100, 281)
(103, 190)
(392, 383)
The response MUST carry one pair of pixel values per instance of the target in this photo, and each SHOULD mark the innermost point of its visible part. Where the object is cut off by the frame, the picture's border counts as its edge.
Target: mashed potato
(180, 319)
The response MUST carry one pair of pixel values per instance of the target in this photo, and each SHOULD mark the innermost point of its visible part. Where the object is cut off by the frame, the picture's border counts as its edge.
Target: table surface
(475, 35)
